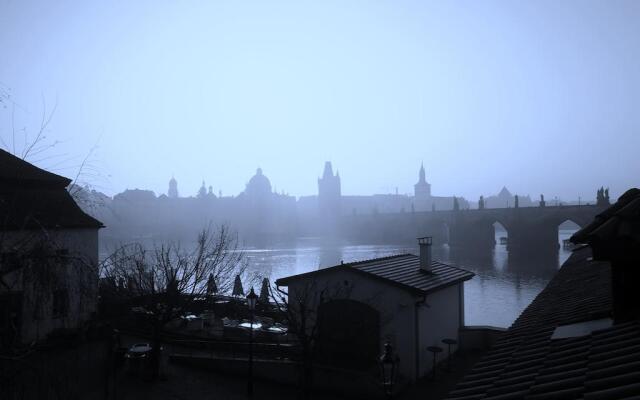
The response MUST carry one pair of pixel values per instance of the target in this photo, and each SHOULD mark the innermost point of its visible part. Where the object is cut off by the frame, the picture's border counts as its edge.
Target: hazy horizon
(539, 97)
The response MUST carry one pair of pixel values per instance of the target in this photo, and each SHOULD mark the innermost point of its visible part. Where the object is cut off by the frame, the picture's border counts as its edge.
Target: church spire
(202, 192)
(173, 188)
(422, 189)
(328, 170)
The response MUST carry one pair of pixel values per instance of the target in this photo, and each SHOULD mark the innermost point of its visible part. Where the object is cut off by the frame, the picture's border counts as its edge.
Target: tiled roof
(620, 221)
(13, 169)
(526, 364)
(38, 209)
(401, 270)
(32, 198)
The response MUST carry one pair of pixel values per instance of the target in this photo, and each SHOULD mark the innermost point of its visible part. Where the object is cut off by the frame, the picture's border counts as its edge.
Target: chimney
(425, 253)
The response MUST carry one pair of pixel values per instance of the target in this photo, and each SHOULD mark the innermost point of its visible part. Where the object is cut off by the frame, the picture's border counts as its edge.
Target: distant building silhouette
(505, 199)
(329, 193)
(173, 188)
(602, 197)
(258, 189)
(259, 211)
(422, 189)
(202, 192)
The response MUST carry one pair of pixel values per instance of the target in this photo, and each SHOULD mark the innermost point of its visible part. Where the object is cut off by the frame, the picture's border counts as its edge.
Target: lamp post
(251, 302)
(387, 370)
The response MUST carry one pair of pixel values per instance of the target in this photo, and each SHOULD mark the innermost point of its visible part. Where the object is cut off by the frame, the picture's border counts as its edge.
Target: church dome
(259, 185)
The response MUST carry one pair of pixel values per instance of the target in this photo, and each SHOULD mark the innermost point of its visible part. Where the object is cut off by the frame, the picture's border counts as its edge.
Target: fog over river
(501, 289)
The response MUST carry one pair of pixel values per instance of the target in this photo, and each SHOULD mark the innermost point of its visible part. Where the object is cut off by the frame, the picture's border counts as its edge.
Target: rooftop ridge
(383, 258)
(401, 270)
(15, 169)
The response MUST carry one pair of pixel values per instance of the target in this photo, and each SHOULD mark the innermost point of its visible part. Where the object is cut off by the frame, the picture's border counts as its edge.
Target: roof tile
(526, 363)
(402, 270)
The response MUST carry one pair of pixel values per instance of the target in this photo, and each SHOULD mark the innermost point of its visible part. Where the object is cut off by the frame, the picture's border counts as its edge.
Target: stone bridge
(531, 228)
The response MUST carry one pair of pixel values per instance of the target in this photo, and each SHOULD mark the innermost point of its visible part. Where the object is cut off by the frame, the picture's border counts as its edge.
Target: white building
(48, 254)
(409, 300)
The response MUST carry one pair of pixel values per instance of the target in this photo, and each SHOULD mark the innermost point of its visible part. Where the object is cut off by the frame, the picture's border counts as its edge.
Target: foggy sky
(540, 96)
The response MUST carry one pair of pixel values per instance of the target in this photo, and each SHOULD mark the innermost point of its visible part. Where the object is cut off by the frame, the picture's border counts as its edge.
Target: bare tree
(39, 276)
(33, 262)
(5, 96)
(168, 279)
(36, 146)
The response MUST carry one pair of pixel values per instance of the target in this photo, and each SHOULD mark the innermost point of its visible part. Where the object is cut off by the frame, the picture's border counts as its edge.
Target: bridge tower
(329, 198)
(173, 188)
(422, 190)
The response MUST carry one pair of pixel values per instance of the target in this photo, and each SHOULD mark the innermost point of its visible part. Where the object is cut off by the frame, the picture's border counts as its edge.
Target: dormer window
(581, 328)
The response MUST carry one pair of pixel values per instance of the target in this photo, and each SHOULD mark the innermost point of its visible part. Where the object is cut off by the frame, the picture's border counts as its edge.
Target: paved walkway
(184, 383)
(188, 383)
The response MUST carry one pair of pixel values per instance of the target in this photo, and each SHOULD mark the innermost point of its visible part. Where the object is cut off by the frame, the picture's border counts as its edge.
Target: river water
(502, 288)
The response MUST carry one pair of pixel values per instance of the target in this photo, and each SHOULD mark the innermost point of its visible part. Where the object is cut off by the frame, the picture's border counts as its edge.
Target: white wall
(396, 307)
(439, 320)
(79, 277)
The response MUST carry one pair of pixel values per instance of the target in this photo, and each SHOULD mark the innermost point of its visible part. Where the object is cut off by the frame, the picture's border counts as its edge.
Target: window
(581, 328)
(60, 303)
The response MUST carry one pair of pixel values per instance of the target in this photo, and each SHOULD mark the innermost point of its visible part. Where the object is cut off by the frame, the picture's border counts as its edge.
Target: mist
(332, 199)
(530, 96)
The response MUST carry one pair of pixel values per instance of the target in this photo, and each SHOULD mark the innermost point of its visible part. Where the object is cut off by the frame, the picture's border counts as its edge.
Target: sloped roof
(525, 363)
(32, 198)
(620, 221)
(504, 192)
(400, 270)
(48, 209)
(15, 170)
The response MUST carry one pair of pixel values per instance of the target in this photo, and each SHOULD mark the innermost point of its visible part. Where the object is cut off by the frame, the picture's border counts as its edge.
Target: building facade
(259, 213)
(48, 254)
(407, 300)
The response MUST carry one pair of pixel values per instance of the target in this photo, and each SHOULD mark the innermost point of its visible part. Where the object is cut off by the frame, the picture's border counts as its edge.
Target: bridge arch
(498, 226)
(494, 219)
(570, 224)
(500, 232)
(566, 228)
(443, 228)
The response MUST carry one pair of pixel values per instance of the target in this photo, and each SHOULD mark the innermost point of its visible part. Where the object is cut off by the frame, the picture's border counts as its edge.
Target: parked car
(137, 357)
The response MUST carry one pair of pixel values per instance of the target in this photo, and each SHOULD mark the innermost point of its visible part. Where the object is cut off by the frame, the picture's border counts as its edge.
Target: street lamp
(388, 370)
(251, 302)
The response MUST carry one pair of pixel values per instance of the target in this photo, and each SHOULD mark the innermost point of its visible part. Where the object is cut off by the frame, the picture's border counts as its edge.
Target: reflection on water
(502, 288)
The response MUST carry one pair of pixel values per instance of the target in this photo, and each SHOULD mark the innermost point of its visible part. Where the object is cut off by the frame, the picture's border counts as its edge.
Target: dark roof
(15, 170)
(38, 209)
(400, 270)
(525, 363)
(620, 221)
(32, 198)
